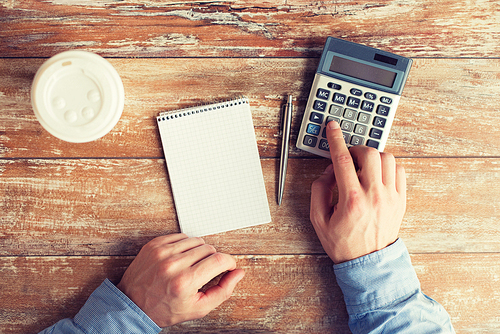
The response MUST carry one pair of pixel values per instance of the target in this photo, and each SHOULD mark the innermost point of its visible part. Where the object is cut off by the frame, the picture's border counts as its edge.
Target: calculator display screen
(362, 71)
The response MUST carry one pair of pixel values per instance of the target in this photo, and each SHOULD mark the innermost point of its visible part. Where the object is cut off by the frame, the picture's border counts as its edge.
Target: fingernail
(333, 125)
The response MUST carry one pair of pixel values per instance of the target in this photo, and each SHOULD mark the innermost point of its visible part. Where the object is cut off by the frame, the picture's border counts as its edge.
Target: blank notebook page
(214, 167)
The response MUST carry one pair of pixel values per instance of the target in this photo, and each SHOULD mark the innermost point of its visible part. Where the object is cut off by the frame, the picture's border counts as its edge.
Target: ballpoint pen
(287, 121)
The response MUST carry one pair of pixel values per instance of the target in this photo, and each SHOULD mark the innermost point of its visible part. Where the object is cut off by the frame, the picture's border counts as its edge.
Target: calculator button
(323, 145)
(316, 117)
(310, 141)
(334, 86)
(350, 114)
(383, 110)
(329, 119)
(360, 129)
(355, 140)
(372, 143)
(323, 94)
(379, 122)
(386, 100)
(363, 118)
(357, 92)
(347, 137)
(370, 96)
(319, 105)
(313, 129)
(353, 102)
(339, 98)
(347, 126)
(336, 110)
(367, 106)
(376, 133)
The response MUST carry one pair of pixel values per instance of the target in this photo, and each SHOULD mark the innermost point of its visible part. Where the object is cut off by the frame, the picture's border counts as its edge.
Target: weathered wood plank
(113, 207)
(284, 293)
(449, 107)
(247, 28)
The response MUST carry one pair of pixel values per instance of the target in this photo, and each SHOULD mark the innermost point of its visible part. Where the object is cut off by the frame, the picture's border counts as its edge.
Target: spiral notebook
(214, 167)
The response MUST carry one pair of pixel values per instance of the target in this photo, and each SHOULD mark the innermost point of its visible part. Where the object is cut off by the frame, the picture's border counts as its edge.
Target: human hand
(371, 201)
(165, 277)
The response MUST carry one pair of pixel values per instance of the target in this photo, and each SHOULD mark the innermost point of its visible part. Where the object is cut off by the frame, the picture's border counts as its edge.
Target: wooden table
(74, 214)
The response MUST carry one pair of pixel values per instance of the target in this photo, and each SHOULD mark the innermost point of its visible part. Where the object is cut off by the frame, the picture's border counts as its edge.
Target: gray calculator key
(330, 118)
(350, 114)
(347, 126)
(336, 110)
(347, 137)
(310, 141)
(364, 118)
(360, 129)
(323, 145)
(355, 140)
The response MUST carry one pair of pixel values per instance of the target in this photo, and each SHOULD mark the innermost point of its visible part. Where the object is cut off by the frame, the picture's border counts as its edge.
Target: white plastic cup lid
(77, 96)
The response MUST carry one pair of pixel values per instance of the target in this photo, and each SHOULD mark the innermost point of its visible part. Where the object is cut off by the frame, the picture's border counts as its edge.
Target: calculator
(357, 86)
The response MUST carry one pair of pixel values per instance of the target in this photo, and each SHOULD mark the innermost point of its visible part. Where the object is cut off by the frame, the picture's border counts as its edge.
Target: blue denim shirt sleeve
(382, 295)
(108, 310)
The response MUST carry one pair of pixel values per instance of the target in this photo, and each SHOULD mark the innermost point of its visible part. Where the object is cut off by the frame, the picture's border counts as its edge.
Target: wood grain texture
(413, 28)
(301, 288)
(73, 214)
(449, 107)
(94, 207)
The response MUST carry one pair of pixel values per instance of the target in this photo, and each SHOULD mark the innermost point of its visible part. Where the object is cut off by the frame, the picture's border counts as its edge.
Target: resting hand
(371, 200)
(165, 277)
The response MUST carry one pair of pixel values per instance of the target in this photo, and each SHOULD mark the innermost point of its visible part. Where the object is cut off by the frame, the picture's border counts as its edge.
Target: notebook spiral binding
(177, 113)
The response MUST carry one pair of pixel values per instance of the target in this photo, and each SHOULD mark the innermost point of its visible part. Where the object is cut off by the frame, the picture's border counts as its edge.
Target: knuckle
(210, 248)
(342, 159)
(157, 254)
(220, 259)
(178, 286)
(168, 267)
(372, 153)
(354, 200)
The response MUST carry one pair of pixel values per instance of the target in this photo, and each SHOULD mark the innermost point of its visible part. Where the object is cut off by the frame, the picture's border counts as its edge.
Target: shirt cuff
(377, 279)
(108, 310)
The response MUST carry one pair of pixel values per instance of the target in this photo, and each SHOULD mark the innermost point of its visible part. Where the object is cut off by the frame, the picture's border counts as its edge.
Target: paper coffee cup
(77, 96)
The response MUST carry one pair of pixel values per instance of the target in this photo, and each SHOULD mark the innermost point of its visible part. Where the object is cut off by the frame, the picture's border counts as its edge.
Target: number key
(323, 145)
(350, 114)
(310, 141)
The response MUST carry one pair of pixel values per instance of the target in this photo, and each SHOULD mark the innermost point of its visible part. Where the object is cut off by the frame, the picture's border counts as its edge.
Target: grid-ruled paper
(214, 168)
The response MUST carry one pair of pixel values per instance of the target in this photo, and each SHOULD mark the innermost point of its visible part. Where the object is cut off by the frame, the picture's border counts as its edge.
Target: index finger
(343, 165)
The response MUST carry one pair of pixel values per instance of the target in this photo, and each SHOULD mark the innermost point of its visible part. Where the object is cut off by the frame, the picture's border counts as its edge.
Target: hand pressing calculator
(357, 86)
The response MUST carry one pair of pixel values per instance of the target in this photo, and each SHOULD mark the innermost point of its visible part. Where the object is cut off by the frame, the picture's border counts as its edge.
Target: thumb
(219, 293)
(322, 196)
